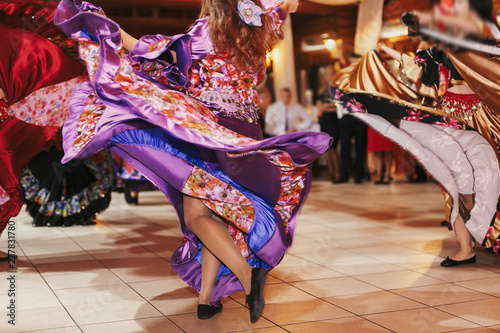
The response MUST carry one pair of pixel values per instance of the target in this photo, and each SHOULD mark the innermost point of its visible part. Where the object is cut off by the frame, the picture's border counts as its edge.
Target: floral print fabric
(225, 201)
(48, 106)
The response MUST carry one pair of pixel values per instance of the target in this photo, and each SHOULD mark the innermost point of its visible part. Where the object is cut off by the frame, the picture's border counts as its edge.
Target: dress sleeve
(165, 59)
(278, 15)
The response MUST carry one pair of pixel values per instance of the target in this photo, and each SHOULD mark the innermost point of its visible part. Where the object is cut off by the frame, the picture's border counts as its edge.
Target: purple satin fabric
(127, 112)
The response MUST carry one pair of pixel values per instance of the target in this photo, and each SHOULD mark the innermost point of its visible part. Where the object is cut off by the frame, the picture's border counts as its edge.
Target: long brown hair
(246, 45)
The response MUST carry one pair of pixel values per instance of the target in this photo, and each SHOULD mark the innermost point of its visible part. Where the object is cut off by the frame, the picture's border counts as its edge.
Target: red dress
(377, 142)
(28, 61)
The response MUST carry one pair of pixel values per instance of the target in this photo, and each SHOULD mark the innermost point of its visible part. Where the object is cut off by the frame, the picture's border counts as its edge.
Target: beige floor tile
(376, 236)
(483, 312)
(332, 256)
(361, 267)
(351, 243)
(267, 330)
(94, 313)
(184, 303)
(25, 283)
(121, 254)
(97, 294)
(434, 247)
(36, 300)
(452, 275)
(58, 257)
(440, 294)
(149, 325)
(376, 302)
(303, 244)
(278, 293)
(302, 311)
(229, 320)
(414, 261)
(335, 287)
(488, 286)
(302, 273)
(57, 268)
(123, 262)
(398, 279)
(344, 325)
(69, 329)
(420, 320)
(384, 251)
(162, 287)
(147, 270)
(101, 277)
(273, 280)
(37, 319)
(477, 330)
(291, 260)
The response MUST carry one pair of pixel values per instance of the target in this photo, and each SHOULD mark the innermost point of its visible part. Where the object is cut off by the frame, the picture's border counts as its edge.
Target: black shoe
(255, 299)
(452, 263)
(358, 181)
(380, 181)
(340, 180)
(208, 311)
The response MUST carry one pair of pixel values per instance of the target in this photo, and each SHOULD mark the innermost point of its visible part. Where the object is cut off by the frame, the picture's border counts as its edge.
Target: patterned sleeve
(277, 14)
(153, 56)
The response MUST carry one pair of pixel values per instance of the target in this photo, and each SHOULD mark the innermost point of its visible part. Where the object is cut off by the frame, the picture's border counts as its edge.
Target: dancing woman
(183, 111)
(442, 70)
(465, 163)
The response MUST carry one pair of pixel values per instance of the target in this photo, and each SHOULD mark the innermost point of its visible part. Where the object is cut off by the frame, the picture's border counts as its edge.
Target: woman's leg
(216, 238)
(378, 161)
(388, 159)
(464, 239)
(210, 266)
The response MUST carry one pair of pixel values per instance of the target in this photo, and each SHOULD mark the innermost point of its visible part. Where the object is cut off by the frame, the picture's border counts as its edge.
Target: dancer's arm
(128, 41)
(290, 6)
(2, 95)
(391, 52)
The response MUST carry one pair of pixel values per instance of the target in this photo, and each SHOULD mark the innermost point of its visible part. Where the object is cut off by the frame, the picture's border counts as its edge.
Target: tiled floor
(365, 259)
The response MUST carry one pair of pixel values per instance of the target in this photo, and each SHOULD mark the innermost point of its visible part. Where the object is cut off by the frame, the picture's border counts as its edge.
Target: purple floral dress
(190, 126)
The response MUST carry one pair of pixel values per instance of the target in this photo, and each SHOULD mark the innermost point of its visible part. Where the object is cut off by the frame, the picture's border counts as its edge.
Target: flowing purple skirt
(179, 144)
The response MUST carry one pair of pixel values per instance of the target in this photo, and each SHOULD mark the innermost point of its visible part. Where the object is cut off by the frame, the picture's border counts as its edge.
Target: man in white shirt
(283, 117)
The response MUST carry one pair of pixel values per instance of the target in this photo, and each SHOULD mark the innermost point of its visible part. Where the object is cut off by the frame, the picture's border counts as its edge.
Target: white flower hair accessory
(250, 13)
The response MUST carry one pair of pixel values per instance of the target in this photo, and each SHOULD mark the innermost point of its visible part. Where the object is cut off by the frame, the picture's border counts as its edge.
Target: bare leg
(388, 159)
(210, 266)
(465, 241)
(2, 94)
(332, 160)
(329, 162)
(378, 161)
(216, 239)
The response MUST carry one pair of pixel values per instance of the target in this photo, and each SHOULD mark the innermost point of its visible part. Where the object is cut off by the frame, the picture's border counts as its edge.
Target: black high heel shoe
(255, 299)
(208, 311)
